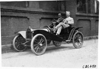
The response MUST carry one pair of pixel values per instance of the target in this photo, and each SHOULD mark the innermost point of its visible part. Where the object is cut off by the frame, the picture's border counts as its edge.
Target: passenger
(64, 24)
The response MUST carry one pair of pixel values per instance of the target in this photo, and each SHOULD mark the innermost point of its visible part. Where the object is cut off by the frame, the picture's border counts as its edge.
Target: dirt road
(64, 57)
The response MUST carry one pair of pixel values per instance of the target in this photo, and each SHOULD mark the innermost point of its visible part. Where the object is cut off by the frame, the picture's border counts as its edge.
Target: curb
(90, 37)
(8, 47)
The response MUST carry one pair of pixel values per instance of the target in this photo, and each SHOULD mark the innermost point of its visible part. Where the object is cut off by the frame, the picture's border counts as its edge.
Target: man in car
(56, 22)
(64, 24)
(60, 18)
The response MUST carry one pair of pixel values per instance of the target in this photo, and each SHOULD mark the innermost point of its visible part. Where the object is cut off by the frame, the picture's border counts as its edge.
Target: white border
(43, 68)
(29, 0)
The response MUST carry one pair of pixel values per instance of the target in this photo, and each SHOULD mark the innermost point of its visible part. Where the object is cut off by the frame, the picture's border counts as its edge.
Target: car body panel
(22, 33)
(48, 35)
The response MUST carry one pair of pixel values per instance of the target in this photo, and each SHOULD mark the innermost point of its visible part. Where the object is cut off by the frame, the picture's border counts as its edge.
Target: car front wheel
(18, 43)
(38, 44)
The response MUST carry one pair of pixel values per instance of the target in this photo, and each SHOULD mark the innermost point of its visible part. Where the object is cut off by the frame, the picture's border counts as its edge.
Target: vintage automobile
(38, 39)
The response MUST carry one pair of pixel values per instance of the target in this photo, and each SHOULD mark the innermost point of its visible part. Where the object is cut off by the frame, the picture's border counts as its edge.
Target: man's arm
(71, 21)
(59, 20)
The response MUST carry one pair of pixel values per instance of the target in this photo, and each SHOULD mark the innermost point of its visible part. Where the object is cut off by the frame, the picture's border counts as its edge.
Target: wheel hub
(40, 44)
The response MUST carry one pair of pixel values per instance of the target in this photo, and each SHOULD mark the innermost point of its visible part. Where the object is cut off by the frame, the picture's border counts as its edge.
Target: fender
(72, 32)
(78, 28)
(22, 33)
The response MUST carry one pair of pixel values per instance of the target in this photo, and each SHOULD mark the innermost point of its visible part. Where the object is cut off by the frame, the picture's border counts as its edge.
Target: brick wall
(18, 16)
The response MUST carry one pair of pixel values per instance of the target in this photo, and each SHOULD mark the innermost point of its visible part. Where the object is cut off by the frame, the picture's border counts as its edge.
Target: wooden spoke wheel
(77, 40)
(18, 43)
(38, 44)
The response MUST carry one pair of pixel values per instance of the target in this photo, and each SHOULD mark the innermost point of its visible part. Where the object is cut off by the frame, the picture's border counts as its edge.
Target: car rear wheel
(77, 40)
(18, 43)
(38, 44)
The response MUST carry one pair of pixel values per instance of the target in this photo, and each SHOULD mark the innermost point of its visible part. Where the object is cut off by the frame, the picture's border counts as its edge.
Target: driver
(60, 18)
(65, 23)
(56, 22)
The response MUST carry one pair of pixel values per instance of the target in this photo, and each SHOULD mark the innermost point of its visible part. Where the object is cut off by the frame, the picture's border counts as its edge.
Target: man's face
(59, 15)
(67, 14)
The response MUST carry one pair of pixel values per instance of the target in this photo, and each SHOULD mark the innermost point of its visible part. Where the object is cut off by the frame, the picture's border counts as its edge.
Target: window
(84, 6)
(88, 6)
(81, 6)
(96, 6)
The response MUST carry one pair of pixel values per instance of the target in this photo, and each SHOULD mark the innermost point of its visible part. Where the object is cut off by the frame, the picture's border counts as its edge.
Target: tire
(77, 38)
(38, 44)
(57, 43)
(18, 43)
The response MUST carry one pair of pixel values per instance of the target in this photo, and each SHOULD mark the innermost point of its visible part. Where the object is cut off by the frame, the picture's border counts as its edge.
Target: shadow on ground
(50, 49)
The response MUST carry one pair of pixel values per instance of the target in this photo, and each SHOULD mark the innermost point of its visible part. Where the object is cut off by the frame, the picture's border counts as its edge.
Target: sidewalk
(8, 47)
(64, 57)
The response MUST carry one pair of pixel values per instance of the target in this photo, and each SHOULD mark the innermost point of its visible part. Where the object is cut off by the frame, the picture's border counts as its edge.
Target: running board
(67, 41)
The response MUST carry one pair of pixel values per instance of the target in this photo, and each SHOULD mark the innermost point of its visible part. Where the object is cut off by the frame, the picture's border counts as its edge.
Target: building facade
(17, 16)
